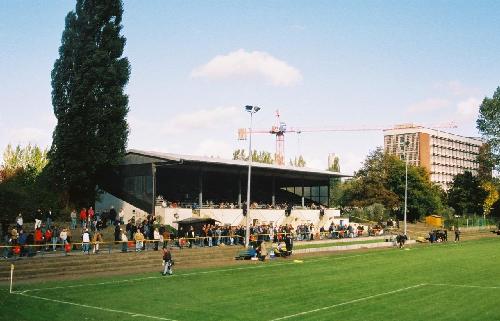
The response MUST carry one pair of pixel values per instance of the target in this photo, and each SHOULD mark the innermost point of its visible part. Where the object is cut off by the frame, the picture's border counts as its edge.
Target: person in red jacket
(48, 237)
(90, 216)
(83, 217)
(38, 238)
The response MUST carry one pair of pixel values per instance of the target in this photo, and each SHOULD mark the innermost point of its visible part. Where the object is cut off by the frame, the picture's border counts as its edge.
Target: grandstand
(147, 182)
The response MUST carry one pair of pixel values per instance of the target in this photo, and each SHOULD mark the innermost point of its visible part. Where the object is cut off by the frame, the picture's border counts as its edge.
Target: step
(116, 270)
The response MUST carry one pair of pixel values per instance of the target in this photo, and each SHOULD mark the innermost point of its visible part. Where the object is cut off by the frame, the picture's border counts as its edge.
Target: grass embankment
(333, 243)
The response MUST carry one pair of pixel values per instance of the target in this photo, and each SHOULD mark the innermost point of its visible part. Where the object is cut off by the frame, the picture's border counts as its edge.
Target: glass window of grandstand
(312, 194)
(140, 187)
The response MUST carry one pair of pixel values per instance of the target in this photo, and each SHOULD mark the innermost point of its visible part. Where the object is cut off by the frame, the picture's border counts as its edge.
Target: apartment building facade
(443, 154)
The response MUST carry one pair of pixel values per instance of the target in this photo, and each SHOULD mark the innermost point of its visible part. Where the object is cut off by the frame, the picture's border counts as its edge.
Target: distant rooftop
(413, 128)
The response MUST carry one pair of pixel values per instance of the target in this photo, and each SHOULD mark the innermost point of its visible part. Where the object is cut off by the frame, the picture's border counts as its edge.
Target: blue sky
(195, 64)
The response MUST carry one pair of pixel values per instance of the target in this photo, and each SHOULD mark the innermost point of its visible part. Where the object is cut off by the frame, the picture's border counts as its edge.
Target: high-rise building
(443, 154)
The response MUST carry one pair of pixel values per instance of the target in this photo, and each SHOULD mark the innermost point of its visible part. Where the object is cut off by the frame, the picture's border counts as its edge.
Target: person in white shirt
(121, 216)
(156, 237)
(86, 241)
(63, 236)
(124, 240)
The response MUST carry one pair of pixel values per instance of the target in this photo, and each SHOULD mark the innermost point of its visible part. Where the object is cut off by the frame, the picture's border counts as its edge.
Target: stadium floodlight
(405, 145)
(252, 110)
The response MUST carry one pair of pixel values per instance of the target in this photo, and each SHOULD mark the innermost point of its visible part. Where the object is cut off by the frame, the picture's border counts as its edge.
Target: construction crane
(279, 129)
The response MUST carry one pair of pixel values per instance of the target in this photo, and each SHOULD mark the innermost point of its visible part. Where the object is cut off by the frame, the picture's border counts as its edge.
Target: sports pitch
(454, 281)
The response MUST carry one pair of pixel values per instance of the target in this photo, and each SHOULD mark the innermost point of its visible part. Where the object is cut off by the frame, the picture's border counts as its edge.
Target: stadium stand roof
(150, 156)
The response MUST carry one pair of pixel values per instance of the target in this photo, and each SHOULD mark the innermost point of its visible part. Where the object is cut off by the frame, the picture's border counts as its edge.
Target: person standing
(64, 237)
(117, 233)
(73, 219)
(38, 218)
(124, 240)
(48, 238)
(167, 262)
(121, 216)
(64, 240)
(457, 234)
(83, 217)
(86, 241)
(55, 235)
(96, 239)
(156, 237)
(19, 222)
(139, 240)
(90, 217)
(112, 215)
(38, 238)
(48, 218)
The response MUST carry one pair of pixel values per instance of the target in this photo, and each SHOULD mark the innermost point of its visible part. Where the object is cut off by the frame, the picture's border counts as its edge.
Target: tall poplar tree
(488, 124)
(90, 105)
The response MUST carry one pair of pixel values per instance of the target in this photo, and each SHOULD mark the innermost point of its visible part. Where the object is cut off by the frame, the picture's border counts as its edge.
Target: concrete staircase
(77, 265)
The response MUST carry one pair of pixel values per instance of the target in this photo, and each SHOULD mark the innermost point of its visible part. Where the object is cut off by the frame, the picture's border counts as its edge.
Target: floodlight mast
(251, 110)
(405, 153)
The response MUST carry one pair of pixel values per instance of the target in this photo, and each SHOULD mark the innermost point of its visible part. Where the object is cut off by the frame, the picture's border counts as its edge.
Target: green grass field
(454, 281)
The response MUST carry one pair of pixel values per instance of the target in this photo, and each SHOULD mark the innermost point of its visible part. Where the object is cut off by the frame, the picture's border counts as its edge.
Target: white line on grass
(465, 286)
(192, 273)
(349, 302)
(94, 307)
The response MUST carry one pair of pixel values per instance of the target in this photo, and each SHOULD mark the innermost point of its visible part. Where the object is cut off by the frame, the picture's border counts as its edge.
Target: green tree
(382, 180)
(466, 195)
(298, 162)
(486, 163)
(335, 184)
(90, 105)
(335, 167)
(257, 156)
(23, 182)
(22, 158)
(488, 124)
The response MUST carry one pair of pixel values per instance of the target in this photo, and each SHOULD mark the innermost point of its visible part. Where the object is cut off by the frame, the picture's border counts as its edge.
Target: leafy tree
(382, 180)
(239, 154)
(298, 162)
(335, 167)
(488, 124)
(28, 157)
(335, 184)
(90, 105)
(491, 198)
(257, 156)
(466, 195)
(486, 163)
(24, 184)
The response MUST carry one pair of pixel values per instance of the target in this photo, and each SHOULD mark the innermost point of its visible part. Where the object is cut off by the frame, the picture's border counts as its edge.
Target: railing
(17, 250)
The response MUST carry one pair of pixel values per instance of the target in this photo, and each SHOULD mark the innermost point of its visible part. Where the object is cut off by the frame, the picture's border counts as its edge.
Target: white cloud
(468, 109)
(457, 88)
(241, 63)
(427, 105)
(215, 148)
(351, 161)
(204, 119)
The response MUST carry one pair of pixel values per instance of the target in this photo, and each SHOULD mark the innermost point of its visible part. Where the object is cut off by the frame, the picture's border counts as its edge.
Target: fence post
(11, 276)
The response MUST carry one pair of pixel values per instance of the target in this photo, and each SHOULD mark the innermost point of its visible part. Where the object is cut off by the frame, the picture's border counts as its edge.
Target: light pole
(251, 110)
(405, 153)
